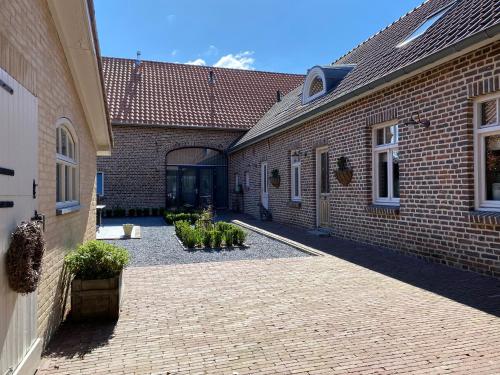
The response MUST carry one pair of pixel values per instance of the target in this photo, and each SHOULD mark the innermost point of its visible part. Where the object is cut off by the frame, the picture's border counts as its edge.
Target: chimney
(138, 59)
(278, 96)
(211, 77)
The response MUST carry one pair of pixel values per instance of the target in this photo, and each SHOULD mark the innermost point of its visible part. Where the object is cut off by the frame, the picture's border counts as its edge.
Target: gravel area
(159, 245)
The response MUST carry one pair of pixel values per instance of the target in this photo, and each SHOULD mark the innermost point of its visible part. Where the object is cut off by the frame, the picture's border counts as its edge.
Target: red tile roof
(160, 93)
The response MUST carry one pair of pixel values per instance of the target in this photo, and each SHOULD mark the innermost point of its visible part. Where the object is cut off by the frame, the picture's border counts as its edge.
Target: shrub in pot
(96, 288)
(127, 229)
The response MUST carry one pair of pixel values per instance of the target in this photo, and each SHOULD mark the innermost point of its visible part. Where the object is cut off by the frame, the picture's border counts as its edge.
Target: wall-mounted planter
(344, 176)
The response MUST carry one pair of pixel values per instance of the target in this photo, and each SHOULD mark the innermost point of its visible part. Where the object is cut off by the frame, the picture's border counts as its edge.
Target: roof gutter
(466, 45)
(180, 126)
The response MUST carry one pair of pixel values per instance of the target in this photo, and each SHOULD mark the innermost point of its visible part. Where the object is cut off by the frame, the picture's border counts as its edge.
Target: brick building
(53, 123)
(393, 144)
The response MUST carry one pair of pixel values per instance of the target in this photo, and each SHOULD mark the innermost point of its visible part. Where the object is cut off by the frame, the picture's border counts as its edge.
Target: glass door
(206, 187)
(189, 190)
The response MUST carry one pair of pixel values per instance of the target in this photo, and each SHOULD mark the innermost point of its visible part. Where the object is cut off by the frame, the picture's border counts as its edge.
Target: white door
(322, 188)
(19, 347)
(264, 186)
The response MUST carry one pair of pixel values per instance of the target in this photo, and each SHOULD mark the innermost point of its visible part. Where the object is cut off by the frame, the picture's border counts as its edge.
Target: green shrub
(131, 212)
(154, 212)
(172, 217)
(118, 212)
(138, 211)
(239, 236)
(145, 211)
(96, 260)
(161, 211)
(108, 213)
(229, 237)
(223, 226)
(207, 238)
(216, 238)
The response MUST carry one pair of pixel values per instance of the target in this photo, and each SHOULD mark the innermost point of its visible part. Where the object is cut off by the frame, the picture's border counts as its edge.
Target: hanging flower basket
(275, 178)
(344, 176)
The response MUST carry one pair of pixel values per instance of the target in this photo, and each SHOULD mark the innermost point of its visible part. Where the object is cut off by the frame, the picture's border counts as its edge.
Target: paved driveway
(310, 315)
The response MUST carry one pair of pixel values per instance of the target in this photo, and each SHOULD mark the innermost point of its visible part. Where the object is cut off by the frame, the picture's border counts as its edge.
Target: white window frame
(314, 73)
(97, 193)
(236, 181)
(480, 133)
(63, 161)
(379, 149)
(295, 172)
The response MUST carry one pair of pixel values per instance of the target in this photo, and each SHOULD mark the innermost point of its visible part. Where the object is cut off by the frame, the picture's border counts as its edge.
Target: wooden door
(322, 188)
(20, 349)
(264, 185)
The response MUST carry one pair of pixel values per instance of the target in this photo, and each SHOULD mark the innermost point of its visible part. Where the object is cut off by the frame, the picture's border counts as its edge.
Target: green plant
(131, 212)
(216, 238)
(207, 238)
(342, 163)
(154, 212)
(222, 226)
(239, 236)
(138, 211)
(145, 211)
(161, 211)
(118, 212)
(96, 260)
(108, 212)
(229, 237)
(275, 173)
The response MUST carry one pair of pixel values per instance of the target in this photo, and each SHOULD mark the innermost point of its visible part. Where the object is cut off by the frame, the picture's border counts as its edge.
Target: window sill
(484, 217)
(67, 210)
(295, 204)
(384, 210)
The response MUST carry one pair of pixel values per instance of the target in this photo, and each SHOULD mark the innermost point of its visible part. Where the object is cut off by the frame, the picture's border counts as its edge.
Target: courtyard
(356, 309)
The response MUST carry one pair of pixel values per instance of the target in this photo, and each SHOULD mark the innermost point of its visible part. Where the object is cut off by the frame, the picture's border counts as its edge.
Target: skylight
(424, 26)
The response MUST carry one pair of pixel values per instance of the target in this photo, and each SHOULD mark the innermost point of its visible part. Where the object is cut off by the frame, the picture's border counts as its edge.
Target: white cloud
(200, 62)
(174, 52)
(242, 60)
(212, 50)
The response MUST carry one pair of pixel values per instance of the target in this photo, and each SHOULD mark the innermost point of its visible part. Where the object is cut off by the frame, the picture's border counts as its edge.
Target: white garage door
(19, 346)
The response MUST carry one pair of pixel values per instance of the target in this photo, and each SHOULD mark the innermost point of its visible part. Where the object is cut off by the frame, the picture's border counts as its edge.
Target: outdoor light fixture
(415, 120)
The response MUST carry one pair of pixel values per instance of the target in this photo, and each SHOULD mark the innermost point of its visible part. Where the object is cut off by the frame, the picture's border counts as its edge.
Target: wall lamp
(415, 120)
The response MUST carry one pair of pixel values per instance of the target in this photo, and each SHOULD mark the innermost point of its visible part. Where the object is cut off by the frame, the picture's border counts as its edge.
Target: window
(487, 153)
(67, 168)
(324, 173)
(314, 85)
(386, 165)
(237, 182)
(424, 26)
(295, 177)
(247, 180)
(100, 184)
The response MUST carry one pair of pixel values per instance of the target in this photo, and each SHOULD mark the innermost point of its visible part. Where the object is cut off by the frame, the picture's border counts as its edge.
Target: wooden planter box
(96, 299)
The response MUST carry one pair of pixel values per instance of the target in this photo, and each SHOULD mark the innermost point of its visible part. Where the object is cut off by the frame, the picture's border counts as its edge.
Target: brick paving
(313, 315)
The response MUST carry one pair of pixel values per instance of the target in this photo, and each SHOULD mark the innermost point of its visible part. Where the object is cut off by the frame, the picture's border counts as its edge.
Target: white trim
(72, 163)
(314, 73)
(102, 184)
(387, 148)
(247, 180)
(264, 185)
(295, 171)
(319, 151)
(31, 360)
(480, 133)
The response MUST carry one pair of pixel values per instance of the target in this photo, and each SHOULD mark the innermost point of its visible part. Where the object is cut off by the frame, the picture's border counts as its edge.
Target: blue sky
(272, 35)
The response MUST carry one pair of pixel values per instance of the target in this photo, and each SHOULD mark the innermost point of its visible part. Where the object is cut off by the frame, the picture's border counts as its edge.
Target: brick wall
(436, 167)
(31, 52)
(134, 175)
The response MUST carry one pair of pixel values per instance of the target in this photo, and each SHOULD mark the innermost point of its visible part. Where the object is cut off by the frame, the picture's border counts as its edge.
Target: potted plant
(275, 178)
(96, 288)
(343, 172)
(127, 230)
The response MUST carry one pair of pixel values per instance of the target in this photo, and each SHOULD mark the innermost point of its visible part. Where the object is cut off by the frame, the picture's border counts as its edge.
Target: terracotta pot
(344, 176)
(275, 181)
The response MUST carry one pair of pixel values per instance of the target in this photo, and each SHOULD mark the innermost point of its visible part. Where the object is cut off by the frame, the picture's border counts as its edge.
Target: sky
(271, 35)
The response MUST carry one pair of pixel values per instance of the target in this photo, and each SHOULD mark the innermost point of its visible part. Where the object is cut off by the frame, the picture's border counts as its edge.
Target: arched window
(316, 86)
(67, 165)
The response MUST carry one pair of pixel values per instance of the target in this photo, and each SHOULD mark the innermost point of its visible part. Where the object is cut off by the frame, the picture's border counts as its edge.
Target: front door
(20, 348)
(264, 186)
(188, 188)
(322, 188)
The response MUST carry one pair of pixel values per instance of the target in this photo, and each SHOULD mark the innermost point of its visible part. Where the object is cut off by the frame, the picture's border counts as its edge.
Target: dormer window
(322, 79)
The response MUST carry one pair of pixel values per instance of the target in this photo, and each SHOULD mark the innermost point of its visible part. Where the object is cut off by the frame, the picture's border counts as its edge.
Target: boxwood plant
(213, 236)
